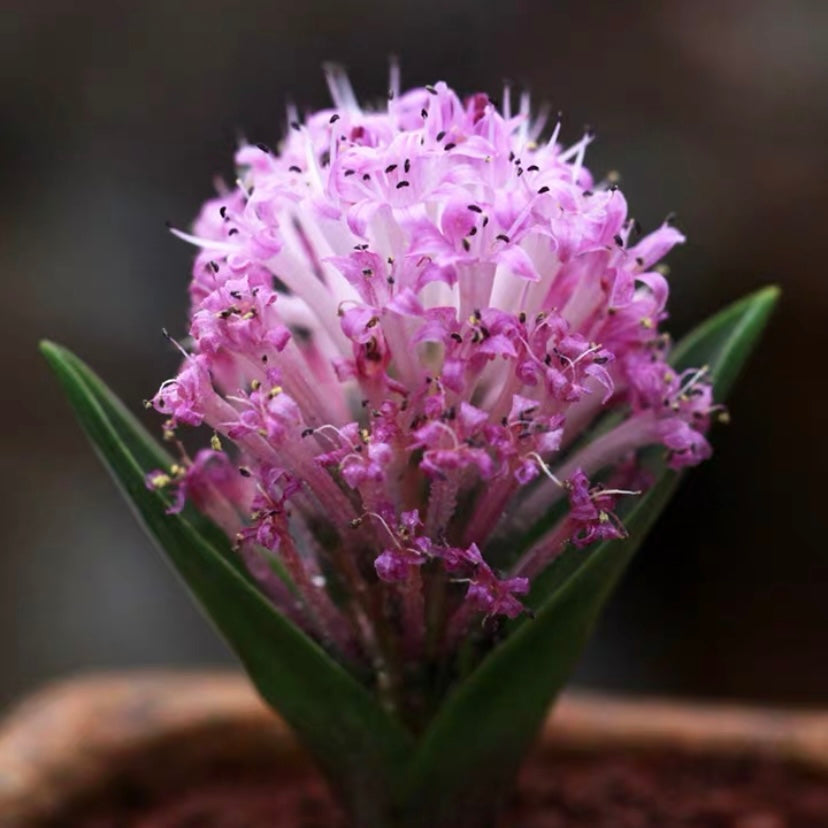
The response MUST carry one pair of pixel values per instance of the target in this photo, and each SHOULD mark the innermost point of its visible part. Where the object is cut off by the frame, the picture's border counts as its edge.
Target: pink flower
(406, 311)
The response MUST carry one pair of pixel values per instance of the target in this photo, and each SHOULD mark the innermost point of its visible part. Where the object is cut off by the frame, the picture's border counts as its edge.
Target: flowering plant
(426, 349)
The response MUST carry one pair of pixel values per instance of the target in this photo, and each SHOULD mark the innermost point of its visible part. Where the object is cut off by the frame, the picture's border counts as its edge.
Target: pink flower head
(403, 320)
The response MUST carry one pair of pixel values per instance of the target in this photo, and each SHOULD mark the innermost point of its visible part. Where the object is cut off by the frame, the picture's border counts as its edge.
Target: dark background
(117, 115)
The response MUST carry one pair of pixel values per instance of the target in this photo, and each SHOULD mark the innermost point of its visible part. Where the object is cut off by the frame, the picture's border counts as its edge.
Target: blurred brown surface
(131, 741)
(117, 115)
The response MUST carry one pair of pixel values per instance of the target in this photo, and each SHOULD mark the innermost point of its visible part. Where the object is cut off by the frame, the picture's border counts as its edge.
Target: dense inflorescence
(403, 323)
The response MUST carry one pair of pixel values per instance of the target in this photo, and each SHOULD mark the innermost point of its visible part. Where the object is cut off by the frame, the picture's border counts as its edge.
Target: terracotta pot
(199, 749)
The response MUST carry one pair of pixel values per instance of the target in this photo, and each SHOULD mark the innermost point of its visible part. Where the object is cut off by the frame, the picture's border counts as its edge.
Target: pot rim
(69, 740)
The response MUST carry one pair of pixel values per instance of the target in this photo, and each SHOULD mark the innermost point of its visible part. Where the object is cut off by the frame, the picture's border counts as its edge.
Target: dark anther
(390, 168)
(407, 165)
(424, 113)
(466, 245)
(440, 135)
(366, 271)
(232, 231)
(543, 190)
(348, 172)
(402, 184)
(475, 209)
(473, 231)
(214, 267)
(223, 211)
(334, 118)
(587, 193)
(294, 169)
(618, 240)
(295, 125)
(532, 168)
(245, 472)
(448, 147)
(431, 90)
(307, 432)
(522, 317)
(366, 177)
(502, 237)
(670, 218)
(456, 337)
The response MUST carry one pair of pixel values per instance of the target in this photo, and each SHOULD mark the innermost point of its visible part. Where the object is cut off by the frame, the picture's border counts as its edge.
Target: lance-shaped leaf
(146, 451)
(471, 752)
(358, 744)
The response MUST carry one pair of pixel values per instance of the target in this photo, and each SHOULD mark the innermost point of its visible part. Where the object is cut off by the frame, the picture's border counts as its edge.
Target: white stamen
(206, 244)
(544, 468)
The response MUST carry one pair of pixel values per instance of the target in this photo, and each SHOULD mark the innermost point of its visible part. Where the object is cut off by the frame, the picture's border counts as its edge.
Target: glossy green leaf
(470, 753)
(359, 745)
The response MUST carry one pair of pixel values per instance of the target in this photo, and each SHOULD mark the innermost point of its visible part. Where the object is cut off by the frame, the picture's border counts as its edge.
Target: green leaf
(146, 451)
(355, 741)
(468, 757)
(725, 340)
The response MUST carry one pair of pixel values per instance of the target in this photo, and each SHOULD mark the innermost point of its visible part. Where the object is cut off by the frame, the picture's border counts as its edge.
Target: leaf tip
(768, 296)
(51, 351)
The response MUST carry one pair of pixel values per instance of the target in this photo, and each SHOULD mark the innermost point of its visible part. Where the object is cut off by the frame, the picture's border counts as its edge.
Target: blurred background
(116, 116)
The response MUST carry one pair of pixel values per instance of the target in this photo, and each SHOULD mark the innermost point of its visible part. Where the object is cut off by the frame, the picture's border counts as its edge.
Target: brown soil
(641, 790)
